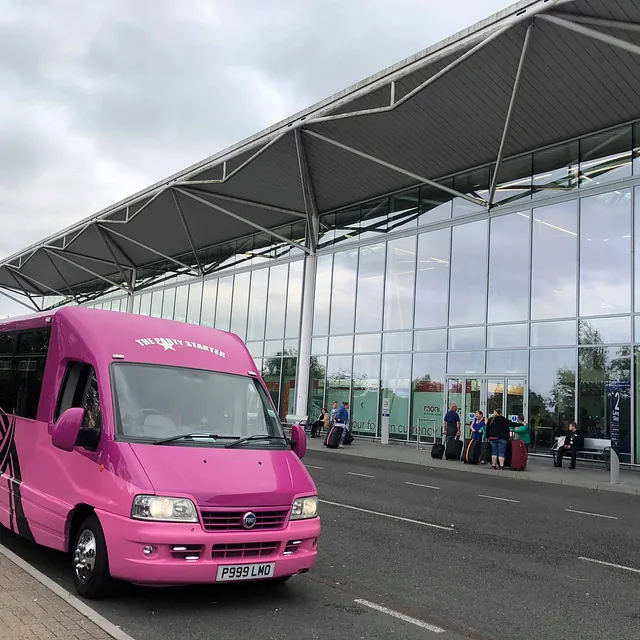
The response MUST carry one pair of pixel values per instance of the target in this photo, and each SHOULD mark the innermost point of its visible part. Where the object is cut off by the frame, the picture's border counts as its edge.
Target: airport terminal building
(461, 227)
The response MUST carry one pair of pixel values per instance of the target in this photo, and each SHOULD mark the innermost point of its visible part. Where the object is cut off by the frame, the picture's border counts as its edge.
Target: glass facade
(422, 299)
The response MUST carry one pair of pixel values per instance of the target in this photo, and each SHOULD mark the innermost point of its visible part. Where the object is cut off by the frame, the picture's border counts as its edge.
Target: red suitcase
(519, 457)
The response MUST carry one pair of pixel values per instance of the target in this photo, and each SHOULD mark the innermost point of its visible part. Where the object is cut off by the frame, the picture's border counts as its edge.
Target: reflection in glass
(341, 344)
(137, 300)
(507, 336)
(428, 395)
(435, 205)
(322, 298)
(294, 299)
(277, 301)
(343, 293)
(374, 215)
(434, 340)
(555, 248)
(365, 388)
(271, 373)
(195, 303)
(338, 380)
(637, 404)
(223, 304)
(288, 394)
(466, 338)
(507, 362)
(637, 247)
(553, 334)
(509, 267)
(291, 347)
(370, 287)
(317, 373)
(156, 304)
(396, 389)
(401, 264)
(468, 274)
(273, 348)
(403, 210)
(555, 169)
(432, 285)
(495, 395)
(605, 253)
(472, 183)
(168, 303)
(209, 303)
(605, 331)
(515, 180)
(606, 156)
(604, 372)
(552, 391)
(397, 341)
(255, 349)
(466, 362)
(367, 343)
(239, 308)
(319, 345)
(182, 299)
(257, 304)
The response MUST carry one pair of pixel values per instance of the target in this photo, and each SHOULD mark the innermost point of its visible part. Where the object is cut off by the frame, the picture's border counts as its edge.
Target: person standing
(332, 417)
(451, 423)
(342, 420)
(498, 432)
(522, 431)
(478, 426)
(573, 443)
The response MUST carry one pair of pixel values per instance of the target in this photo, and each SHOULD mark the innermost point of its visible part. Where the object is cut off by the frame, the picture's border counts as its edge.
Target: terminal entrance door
(487, 393)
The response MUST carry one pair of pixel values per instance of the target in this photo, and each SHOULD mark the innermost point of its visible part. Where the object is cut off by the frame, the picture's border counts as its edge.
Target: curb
(82, 608)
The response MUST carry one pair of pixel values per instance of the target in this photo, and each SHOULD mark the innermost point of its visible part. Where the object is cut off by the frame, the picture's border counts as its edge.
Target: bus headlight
(164, 509)
(304, 508)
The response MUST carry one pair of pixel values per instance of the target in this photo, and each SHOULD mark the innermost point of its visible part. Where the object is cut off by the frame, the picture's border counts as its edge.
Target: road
(412, 553)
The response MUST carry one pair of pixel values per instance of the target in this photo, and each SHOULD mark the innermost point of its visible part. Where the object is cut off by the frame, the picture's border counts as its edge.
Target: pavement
(415, 551)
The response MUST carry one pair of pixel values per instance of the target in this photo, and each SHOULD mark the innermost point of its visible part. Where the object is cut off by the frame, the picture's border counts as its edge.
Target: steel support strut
(22, 304)
(596, 21)
(187, 231)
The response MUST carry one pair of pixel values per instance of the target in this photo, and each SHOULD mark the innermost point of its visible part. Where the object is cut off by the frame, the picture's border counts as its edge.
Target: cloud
(102, 98)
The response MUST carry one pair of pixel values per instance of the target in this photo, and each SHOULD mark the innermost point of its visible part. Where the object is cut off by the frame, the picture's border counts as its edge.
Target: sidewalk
(32, 607)
(540, 469)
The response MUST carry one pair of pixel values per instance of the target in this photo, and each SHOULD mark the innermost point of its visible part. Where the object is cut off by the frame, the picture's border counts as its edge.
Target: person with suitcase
(498, 434)
(342, 420)
(474, 445)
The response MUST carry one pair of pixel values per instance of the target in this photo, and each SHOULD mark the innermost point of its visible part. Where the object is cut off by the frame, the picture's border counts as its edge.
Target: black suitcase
(485, 452)
(333, 437)
(348, 439)
(453, 449)
(472, 451)
(507, 458)
(437, 451)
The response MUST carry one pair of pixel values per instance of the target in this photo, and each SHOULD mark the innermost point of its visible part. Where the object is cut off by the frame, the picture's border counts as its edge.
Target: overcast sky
(100, 99)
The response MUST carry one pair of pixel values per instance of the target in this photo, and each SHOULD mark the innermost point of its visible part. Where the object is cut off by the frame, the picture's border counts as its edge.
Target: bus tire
(90, 562)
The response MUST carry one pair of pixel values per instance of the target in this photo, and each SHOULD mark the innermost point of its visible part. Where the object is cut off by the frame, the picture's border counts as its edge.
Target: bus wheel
(90, 562)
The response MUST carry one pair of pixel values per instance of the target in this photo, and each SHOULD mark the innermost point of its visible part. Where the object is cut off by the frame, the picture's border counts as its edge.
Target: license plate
(230, 572)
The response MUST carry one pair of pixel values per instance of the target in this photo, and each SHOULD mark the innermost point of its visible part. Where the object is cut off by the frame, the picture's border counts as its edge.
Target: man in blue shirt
(342, 420)
(451, 423)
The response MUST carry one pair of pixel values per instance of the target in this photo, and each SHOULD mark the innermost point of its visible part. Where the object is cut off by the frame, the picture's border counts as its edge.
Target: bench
(594, 449)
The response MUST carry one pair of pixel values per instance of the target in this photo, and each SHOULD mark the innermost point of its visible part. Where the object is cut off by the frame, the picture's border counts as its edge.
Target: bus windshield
(156, 403)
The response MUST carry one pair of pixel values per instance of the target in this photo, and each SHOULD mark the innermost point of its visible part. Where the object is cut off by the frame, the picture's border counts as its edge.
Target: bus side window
(80, 389)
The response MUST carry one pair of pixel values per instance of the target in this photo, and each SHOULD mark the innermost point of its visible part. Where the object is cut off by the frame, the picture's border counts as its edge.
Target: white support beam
(393, 167)
(596, 21)
(17, 301)
(187, 231)
(507, 121)
(66, 284)
(308, 193)
(109, 248)
(18, 274)
(238, 217)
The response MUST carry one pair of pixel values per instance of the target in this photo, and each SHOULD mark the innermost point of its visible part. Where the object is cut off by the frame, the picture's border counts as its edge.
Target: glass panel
(370, 288)
(294, 299)
(341, 344)
(223, 304)
(455, 397)
(472, 399)
(156, 304)
(319, 345)
(273, 348)
(636, 152)
(322, 298)
(507, 335)
(169, 303)
(288, 395)
(553, 334)
(603, 371)
(374, 216)
(466, 362)
(636, 330)
(468, 274)
(368, 343)
(397, 341)
(209, 303)
(637, 405)
(605, 331)
(473, 183)
(512, 361)
(404, 209)
(291, 347)
(555, 169)
(495, 395)
(467, 338)
(605, 254)
(316, 383)
(428, 395)
(637, 246)
(365, 385)
(509, 267)
(515, 399)
(555, 248)
(343, 293)
(399, 297)
(137, 300)
(255, 349)
(195, 303)
(515, 181)
(145, 304)
(396, 388)
(434, 340)
(606, 156)
(240, 306)
(432, 285)
(338, 380)
(257, 304)
(271, 370)
(277, 301)
(435, 205)
(182, 298)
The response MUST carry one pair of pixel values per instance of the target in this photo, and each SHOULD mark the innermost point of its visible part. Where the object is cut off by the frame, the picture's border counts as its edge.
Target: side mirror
(298, 440)
(65, 433)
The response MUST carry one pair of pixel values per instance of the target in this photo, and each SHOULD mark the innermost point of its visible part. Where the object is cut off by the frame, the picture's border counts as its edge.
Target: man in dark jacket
(573, 443)
(498, 432)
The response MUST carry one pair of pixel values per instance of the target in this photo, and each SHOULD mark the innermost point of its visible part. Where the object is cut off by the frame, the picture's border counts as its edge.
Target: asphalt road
(475, 556)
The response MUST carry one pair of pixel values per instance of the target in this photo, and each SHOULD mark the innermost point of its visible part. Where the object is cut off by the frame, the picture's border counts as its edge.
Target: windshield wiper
(191, 436)
(265, 436)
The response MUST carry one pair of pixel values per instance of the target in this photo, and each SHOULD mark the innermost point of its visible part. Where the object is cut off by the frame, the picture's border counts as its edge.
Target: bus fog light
(148, 550)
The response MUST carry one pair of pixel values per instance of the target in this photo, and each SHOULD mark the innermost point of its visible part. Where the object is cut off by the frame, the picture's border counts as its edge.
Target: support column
(306, 329)
(132, 289)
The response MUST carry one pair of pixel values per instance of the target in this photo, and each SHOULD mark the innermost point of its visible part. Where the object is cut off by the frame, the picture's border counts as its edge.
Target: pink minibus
(150, 451)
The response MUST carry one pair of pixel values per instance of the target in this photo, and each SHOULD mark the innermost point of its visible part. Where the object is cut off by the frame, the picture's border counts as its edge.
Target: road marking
(400, 616)
(425, 486)
(495, 498)
(595, 515)
(610, 564)
(310, 466)
(362, 475)
(387, 515)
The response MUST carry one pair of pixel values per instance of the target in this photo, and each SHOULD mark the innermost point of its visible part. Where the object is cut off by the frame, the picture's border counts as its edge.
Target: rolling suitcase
(437, 451)
(472, 452)
(333, 437)
(485, 452)
(348, 439)
(519, 456)
(453, 449)
(507, 457)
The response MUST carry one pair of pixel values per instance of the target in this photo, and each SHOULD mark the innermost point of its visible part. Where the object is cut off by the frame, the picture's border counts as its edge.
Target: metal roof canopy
(537, 73)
